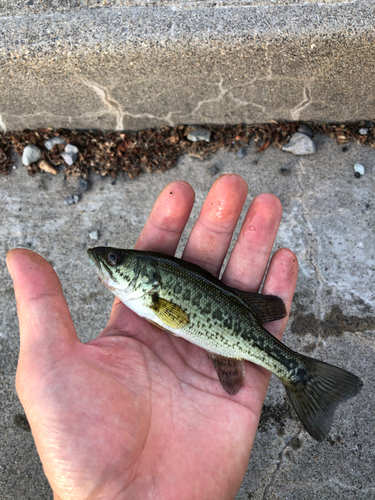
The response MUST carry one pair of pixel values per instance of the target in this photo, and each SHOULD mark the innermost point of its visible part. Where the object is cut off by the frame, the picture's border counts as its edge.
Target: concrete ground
(133, 64)
(328, 222)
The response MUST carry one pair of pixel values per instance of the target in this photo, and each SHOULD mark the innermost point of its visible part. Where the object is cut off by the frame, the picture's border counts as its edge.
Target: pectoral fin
(231, 372)
(170, 314)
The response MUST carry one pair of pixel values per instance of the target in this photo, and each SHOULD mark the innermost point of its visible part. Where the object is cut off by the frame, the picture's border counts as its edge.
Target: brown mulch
(109, 153)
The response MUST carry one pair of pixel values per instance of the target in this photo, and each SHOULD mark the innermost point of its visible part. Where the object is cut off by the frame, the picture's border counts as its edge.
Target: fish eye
(113, 258)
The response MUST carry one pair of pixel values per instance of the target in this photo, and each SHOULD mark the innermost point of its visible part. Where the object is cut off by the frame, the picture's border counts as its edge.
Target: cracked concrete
(328, 222)
(130, 66)
(110, 104)
(279, 464)
(295, 113)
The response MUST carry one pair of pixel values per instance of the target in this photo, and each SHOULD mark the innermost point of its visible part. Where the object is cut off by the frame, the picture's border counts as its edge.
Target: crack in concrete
(311, 254)
(279, 464)
(247, 103)
(296, 111)
(115, 107)
(216, 99)
(111, 104)
(223, 92)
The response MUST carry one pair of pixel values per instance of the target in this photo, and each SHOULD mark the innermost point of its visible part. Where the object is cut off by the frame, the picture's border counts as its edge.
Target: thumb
(46, 327)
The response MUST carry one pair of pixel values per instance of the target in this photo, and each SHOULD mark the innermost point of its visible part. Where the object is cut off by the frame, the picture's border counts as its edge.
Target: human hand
(138, 413)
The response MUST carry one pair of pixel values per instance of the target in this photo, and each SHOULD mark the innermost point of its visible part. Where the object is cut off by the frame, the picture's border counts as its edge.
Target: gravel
(241, 153)
(199, 135)
(30, 155)
(360, 169)
(51, 143)
(300, 144)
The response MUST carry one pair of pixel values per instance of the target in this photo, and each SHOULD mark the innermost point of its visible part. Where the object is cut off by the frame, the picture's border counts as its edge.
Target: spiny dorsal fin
(265, 307)
(231, 372)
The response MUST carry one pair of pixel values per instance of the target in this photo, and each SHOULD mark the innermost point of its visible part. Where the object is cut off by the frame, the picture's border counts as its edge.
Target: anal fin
(231, 372)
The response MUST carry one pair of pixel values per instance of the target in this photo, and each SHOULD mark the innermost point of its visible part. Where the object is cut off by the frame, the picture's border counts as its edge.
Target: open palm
(137, 413)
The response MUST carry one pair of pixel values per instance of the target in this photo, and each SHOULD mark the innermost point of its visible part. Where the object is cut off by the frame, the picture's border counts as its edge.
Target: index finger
(167, 219)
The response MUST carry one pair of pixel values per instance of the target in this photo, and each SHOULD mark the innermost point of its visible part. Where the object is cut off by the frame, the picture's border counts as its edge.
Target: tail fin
(316, 392)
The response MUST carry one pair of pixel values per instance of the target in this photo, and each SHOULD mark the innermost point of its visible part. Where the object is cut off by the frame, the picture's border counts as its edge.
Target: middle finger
(251, 253)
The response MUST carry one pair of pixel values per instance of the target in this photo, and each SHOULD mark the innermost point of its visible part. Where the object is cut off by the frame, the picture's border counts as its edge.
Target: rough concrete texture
(131, 65)
(328, 222)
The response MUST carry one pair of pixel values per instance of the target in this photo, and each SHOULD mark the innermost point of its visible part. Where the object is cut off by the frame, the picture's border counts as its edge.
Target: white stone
(94, 235)
(199, 135)
(70, 154)
(30, 155)
(300, 144)
(68, 158)
(50, 143)
(70, 149)
(359, 168)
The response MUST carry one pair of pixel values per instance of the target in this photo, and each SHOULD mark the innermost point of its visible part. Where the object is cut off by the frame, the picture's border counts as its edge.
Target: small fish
(189, 302)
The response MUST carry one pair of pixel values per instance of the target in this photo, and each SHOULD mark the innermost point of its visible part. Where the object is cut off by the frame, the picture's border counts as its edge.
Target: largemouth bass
(189, 302)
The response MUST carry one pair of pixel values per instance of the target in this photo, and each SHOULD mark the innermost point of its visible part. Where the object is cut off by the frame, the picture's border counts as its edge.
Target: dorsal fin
(265, 307)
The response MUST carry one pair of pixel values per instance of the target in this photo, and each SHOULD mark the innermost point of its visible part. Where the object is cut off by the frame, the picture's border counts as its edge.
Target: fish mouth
(93, 258)
(101, 267)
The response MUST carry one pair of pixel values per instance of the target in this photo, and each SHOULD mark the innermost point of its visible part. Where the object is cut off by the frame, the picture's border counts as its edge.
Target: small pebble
(300, 144)
(70, 154)
(71, 199)
(363, 131)
(51, 143)
(199, 135)
(214, 170)
(68, 158)
(359, 169)
(241, 153)
(94, 235)
(84, 185)
(285, 171)
(30, 155)
(70, 149)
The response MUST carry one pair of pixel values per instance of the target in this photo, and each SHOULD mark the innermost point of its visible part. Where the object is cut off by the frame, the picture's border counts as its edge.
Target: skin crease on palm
(138, 413)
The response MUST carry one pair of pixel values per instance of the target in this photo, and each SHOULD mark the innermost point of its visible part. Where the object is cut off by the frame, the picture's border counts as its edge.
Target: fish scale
(187, 301)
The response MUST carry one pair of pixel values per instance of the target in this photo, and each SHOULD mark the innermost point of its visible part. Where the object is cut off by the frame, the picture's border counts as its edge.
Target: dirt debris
(109, 153)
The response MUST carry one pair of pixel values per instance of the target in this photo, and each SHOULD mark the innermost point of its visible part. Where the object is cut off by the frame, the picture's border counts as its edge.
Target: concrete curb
(137, 67)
